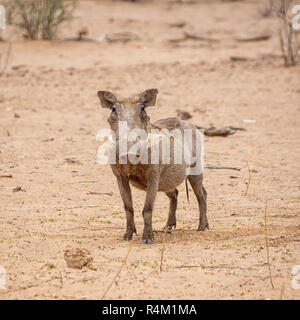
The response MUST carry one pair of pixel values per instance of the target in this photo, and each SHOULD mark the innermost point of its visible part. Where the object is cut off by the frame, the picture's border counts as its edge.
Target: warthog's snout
(129, 157)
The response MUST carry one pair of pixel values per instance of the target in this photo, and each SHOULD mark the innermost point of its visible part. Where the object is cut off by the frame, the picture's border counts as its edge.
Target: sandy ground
(49, 111)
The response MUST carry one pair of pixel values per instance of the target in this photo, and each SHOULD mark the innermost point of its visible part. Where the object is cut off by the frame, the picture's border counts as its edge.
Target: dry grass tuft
(250, 166)
(163, 249)
(267, 241)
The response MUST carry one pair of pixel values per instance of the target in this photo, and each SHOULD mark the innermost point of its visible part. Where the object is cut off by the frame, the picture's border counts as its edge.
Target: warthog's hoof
(203, 227)
(147, 241)
(171, 225)
(128, 234)
(127, 237)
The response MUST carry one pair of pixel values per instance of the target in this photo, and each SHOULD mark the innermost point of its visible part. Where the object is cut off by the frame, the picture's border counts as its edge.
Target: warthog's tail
(187, 190)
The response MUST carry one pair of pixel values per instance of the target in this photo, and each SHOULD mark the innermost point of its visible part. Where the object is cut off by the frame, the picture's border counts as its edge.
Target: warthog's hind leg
(125, 192)
(172, 195)
(201, 194)
(148, 208)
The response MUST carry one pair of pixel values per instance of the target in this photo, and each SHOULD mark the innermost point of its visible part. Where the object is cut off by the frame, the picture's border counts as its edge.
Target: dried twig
(99, 193)
(179, 229)
(215, 166)
(92, 229)
(118, 273)
(121, 37)
(183, 1)
(61, 279)
(163, 247)
(255, 38)
(281, 291)
(212, 267)
(78, 38)
(239, 58)
(190, 36)
(6, 176)
(91, 206)
(17, 189)
(197, 37)
(267, 240)
(250, 166)
(178, 24)
(213, 131)
(249, 178)
(72, 160)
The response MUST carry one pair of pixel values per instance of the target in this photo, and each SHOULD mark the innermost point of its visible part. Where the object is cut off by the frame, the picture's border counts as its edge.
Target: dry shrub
(289, 42)
(40, 19)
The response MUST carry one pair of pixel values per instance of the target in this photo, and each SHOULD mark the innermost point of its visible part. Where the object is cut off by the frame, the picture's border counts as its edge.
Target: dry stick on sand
(6, 176)
(190, 36)
(250, 166)
(281, 291)
(213, 267)
(61, 279)
(164, 240)
(91, 206)
(118, 273)
(163, 247)
(92, 229)
(254, 184)
(215, 166)
(261, 37)
(267, 241)
(249, 177)
(179, 229)
(224, 132)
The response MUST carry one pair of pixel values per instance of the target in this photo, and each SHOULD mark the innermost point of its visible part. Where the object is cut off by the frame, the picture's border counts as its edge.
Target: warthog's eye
(143, 113)
(113, 115)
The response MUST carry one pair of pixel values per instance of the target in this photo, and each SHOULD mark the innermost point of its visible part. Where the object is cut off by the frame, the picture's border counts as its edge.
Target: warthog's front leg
(148, 208)
(125, 192)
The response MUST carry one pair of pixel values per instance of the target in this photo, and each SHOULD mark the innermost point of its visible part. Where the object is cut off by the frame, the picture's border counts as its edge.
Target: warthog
(150, 177)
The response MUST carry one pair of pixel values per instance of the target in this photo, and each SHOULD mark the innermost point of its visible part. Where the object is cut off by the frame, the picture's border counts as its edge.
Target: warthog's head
(130, 110)
(129, 121)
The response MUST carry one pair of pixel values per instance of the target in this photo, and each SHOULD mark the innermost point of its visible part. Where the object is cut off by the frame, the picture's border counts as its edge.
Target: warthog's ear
(107, 99)
(148, 97)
